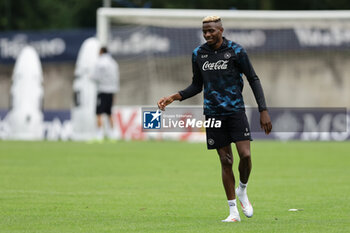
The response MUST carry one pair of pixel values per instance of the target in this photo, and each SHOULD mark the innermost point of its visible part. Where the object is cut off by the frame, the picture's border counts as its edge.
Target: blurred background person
(106, 77)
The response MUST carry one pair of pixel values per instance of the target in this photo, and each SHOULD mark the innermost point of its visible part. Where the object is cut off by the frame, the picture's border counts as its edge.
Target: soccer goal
(301, 57)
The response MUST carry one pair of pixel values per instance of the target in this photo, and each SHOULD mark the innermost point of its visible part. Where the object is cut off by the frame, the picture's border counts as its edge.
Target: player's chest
(217, 61)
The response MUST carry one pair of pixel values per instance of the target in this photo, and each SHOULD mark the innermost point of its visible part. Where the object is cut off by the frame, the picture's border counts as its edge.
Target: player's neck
(217, 45)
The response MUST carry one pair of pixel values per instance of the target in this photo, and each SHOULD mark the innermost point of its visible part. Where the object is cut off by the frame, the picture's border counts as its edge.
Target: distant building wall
(294, 80)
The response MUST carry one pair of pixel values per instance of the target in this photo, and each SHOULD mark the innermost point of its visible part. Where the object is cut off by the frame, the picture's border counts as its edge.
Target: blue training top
(220, 72)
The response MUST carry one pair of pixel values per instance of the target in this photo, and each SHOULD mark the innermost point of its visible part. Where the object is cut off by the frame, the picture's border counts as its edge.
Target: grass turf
(169, 187)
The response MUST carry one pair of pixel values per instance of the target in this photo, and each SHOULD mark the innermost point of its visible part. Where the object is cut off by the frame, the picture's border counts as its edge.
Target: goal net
(301, 57)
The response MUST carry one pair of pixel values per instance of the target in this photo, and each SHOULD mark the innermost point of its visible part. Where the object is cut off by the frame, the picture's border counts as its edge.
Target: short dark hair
(103, 50)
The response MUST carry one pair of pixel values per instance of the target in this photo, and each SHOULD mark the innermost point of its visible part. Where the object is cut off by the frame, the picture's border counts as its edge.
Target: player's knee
(245, 155)
(226, 160)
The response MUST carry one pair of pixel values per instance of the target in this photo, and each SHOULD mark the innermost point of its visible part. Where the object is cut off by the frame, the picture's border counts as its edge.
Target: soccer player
(219, 65)
(106, 77)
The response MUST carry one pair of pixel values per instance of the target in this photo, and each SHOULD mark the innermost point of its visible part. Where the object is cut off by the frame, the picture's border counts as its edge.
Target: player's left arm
(254, 82)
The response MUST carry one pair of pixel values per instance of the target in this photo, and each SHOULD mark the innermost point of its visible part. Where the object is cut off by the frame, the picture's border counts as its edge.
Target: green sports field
(169, 187)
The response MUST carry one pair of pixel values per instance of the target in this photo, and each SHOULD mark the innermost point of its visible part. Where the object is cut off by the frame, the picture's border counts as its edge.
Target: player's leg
(99, 116)
(228, 180)
(245, 166)
(110, 119)
(219, 139)
(111, 130)
(109, 105)
(240, 134)
(99, 121)
(245, 163)
(100, 133)
(109, 113)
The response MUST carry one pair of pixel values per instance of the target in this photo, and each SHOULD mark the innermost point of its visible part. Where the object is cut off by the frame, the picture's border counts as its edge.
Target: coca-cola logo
(219, 65)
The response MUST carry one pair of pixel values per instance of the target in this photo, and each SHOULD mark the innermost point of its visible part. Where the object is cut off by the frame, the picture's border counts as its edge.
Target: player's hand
(265, 122)
(163, 102)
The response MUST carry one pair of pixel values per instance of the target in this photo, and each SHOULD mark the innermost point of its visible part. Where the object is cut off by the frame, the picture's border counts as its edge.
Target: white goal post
(192, 17)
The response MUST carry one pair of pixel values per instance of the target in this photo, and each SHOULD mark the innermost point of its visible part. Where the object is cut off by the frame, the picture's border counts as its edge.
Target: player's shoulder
(196, 51)
(237, 48)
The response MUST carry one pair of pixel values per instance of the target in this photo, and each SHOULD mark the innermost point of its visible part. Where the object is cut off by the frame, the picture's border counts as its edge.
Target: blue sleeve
(197, 81)
(247, 69)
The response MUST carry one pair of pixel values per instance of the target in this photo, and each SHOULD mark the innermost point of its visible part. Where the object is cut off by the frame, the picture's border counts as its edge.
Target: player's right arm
(163, 102)
(193, 89)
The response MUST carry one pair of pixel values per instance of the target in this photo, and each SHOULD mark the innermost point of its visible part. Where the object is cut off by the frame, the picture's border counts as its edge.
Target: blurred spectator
(106, 76)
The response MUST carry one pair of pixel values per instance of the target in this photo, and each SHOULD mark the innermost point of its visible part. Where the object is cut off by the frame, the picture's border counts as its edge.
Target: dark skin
(212, 33)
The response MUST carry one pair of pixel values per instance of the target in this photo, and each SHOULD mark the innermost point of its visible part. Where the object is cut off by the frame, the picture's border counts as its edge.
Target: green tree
(48, 14)
(53, 14)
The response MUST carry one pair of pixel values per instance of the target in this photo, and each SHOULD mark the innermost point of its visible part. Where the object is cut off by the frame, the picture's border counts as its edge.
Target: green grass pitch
(169, 187)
